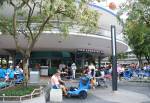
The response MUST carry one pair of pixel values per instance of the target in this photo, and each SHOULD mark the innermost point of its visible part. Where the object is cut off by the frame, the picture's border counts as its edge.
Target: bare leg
(63, 89)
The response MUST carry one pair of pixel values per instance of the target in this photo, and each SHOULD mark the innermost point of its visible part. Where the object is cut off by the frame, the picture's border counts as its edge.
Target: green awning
(47, 54)
(50, 54)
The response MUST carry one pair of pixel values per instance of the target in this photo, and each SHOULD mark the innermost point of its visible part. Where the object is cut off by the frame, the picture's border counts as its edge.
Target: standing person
(62, 67)
(92, 73)
(92, 69)
(73, 67)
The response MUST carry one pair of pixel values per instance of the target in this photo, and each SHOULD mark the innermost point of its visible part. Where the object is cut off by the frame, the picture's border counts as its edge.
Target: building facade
(51, 49)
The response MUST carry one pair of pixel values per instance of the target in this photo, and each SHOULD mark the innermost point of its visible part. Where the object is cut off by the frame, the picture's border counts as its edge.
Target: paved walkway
(107, 96)
(127, 93)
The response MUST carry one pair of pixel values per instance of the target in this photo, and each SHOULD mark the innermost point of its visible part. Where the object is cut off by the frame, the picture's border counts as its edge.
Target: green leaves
(137, 26)
(34, 16)
(2, 2)
(122, 56)
(64, 28)
(18, 91)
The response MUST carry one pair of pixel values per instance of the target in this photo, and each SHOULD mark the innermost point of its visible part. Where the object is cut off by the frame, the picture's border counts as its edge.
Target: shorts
(56, 86)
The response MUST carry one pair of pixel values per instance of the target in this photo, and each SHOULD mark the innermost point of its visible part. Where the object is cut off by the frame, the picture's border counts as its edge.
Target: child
(93, 82)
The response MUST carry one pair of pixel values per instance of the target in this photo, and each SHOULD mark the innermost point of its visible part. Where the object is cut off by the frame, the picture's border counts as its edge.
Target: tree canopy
(31, 17)
(137, 26)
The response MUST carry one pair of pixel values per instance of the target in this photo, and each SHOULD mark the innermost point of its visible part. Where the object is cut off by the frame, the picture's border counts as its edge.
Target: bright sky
(117, 2)
(106, 3)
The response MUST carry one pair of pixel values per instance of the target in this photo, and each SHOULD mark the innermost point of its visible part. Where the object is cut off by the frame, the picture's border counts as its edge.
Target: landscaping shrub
(18, 91)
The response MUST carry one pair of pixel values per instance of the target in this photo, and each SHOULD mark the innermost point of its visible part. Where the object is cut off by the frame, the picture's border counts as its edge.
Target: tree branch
(22, 4)
(146, 13)
(14, 22)
(12, 4)
(18, 46)
(31, 10)
(29, 18)
(40, 31)
(14, 34)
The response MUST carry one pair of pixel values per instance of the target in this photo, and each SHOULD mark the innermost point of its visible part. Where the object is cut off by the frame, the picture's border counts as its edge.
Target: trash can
(34, 77)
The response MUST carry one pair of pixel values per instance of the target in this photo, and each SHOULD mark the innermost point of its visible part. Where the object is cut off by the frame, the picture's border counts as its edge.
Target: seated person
(9, 74)
(18, 70)
(2, 73)
(57, 83)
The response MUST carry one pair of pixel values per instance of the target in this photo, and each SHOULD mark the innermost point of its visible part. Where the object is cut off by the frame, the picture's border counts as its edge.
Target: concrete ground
(128, 92)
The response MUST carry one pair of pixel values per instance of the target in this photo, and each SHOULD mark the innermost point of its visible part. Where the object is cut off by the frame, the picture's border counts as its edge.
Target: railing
(46, 91)
(35, 93)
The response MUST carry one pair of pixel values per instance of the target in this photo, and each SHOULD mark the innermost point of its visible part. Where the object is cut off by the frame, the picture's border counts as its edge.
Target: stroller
(81, 91)
(100, 80)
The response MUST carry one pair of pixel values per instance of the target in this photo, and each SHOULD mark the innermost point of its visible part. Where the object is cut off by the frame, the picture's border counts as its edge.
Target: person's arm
(61, 81)
(52, 81)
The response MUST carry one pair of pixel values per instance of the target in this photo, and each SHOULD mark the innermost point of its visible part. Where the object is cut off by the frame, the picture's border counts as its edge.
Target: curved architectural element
(53, 41)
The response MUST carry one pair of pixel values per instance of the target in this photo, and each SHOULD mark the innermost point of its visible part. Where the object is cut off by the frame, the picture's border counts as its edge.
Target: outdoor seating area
(3, 85)
(10, 77)
(75, 51)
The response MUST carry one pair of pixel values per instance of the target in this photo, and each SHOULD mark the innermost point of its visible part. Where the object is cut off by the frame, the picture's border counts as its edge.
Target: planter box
(37, 96)
(40, 99)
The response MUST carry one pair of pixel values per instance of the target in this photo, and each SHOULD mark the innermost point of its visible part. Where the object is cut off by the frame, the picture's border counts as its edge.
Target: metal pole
(114, 60)
(99, 61)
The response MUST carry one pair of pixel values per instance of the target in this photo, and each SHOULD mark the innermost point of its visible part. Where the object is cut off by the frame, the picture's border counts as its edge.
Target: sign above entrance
(89, 50)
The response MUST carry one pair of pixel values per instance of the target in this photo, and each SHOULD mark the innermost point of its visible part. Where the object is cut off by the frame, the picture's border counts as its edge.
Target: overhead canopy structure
(52, 41)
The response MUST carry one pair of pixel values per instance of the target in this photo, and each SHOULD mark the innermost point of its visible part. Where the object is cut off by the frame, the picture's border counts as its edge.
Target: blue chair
(2, 73)
(20, 78)
(141, 74)
(11, 75)
(127, 74)
(3, 85)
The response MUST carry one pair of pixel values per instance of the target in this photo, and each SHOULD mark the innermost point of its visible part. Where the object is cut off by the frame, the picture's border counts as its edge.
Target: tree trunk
(148, 59)
(140, 62)
(25, 67)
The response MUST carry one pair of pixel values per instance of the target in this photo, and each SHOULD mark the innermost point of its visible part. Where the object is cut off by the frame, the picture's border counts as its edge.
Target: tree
(136, 26)
(2, 1)
(119, 56)
(31, 17)
(122, 56)
(146, 46)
